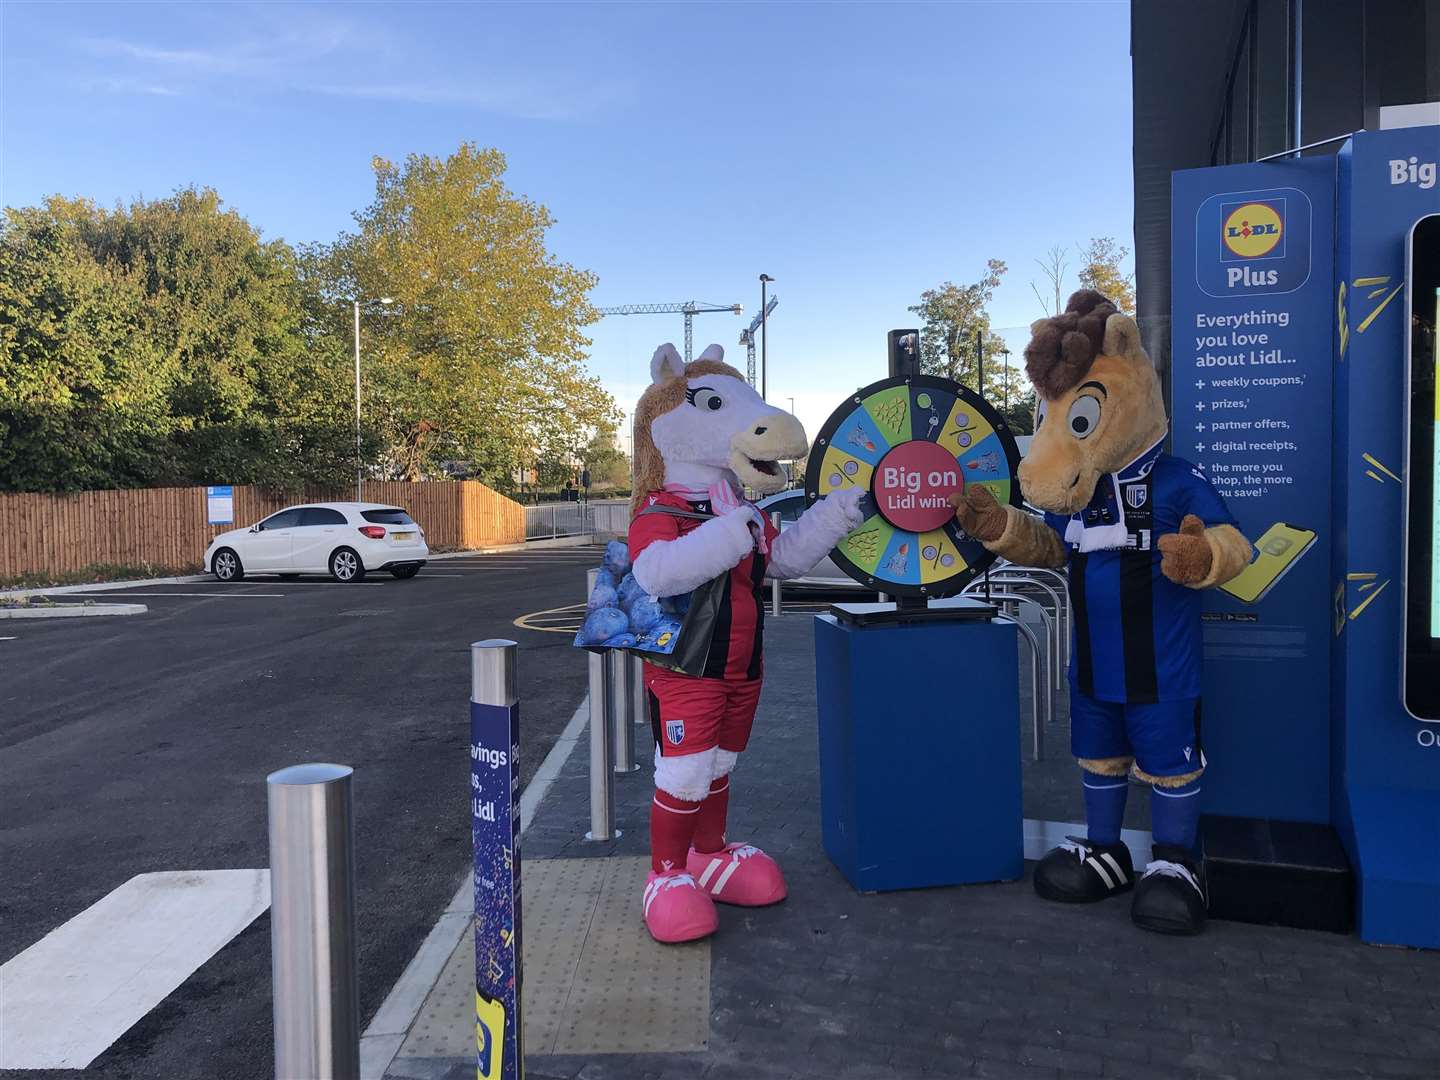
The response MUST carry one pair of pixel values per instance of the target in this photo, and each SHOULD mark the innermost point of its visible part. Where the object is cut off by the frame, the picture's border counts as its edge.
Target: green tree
(480, 358)
(82, 389)
(953, 315)
(160, 343)
(1100, 269)
(607, 463)
(249, 402)
(1019, 412)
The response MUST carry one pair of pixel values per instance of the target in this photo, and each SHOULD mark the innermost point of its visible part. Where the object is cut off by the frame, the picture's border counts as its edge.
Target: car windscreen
(790, 509)
(392, 516)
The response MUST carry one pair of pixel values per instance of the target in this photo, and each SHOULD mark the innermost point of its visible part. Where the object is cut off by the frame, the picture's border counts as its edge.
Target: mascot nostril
(1140, 533)
(702, 435)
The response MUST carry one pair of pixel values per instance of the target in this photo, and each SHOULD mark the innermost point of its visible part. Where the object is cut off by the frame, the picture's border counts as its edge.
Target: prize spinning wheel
(910, 443)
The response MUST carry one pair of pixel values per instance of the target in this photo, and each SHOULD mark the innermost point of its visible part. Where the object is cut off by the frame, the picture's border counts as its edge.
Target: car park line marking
(233, 595)
(8, 639)
(70, 995)
(560, 620)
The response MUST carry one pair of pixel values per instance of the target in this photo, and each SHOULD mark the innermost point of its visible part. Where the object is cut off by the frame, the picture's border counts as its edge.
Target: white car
(825, 574)
(343, 539)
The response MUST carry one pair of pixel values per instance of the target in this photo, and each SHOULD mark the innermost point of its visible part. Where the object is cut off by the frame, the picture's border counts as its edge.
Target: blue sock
(1104, 806)
(1175, 814)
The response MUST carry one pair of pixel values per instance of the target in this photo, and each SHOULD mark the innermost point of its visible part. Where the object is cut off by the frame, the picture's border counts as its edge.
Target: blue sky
(858, 153)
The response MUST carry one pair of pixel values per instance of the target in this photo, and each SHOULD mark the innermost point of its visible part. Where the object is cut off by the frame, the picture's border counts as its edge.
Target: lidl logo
(489, 1037)
(1252, 243)
(1253, 230)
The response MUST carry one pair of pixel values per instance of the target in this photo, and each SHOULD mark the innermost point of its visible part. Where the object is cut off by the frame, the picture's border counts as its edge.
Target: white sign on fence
(220, 505)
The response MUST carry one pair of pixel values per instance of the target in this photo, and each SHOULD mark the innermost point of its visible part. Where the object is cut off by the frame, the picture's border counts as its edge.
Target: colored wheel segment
(909, 443)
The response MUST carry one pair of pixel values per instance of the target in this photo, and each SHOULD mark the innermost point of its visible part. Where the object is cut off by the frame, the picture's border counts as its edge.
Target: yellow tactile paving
(594, 981)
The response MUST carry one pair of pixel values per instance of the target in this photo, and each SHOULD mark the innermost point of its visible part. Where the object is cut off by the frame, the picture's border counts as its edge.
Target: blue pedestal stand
(919, 752)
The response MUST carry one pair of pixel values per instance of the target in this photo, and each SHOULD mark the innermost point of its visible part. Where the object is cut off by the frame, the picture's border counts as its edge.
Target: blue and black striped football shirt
(1137, 635)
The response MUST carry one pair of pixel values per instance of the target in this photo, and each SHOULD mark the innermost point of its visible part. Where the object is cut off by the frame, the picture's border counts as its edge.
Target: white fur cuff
(687, 777)
(796, 550)
(675, 567)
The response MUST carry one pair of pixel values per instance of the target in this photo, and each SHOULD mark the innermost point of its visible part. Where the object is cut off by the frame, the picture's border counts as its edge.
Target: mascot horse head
(701, 422)
(1100, 402)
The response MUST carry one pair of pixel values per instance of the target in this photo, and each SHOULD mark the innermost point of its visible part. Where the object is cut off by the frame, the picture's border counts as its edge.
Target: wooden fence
(166, 527)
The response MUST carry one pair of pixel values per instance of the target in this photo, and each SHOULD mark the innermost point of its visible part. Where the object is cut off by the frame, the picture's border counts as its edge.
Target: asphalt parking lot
(141, 743)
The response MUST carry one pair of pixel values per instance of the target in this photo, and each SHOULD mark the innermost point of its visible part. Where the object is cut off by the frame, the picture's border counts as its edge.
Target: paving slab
(975, 981)
(594, 983)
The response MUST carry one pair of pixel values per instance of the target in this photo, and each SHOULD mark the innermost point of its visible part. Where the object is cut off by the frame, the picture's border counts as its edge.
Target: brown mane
(1062, 348)
(658, 399)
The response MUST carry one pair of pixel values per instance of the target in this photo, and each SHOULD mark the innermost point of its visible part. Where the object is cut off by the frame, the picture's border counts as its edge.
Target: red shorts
(689, 714)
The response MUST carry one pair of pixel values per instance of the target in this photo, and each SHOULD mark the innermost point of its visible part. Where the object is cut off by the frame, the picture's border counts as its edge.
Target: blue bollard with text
(495, 828)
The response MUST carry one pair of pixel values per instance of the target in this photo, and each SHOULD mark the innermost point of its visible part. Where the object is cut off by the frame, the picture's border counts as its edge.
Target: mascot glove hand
(745, 524)
(979, 514)
(848, 501)
(1186, 555)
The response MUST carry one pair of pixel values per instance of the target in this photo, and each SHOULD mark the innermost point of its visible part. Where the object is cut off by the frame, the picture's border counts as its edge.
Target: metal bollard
(639, 699)
(622, 730)
(312, 923)
(495, 830)
(602, 761)
(775, 582)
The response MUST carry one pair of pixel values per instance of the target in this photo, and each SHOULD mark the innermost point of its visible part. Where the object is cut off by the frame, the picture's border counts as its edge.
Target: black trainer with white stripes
(1170, 897)
(1081, 872)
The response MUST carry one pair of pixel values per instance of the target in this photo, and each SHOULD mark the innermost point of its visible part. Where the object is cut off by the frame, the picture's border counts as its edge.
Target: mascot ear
(666, 364)
(1122, 338)
(713, 352)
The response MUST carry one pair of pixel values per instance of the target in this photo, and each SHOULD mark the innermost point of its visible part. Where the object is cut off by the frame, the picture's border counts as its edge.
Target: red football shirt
(737, 645)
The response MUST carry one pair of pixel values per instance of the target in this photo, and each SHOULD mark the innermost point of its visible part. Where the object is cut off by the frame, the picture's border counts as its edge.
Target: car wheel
(226, 565)
(403, 572)
(346, 567)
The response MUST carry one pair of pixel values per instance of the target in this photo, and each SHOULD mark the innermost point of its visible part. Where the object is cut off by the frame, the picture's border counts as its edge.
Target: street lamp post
(765, 280)
(1006, 353)
(359, 466)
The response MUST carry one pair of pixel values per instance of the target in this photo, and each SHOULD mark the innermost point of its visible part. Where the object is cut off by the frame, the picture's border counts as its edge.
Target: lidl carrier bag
(673, 632)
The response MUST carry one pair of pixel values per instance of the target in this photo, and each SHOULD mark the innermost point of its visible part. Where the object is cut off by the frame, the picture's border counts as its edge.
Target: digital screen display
(1422, 552)
(1435, 477)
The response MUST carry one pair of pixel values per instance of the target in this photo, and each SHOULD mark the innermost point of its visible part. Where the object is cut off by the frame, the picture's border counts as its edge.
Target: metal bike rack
(1042, 687)
(1062, 589)
(1059, 630)
(1036, 727)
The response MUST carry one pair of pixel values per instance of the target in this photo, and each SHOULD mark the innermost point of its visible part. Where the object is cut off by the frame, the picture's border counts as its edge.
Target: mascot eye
(706, 399)
(1040, 413)
(1084, 415)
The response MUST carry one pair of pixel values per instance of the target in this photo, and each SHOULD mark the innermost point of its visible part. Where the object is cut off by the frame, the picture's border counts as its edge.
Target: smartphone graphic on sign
(1280, 549)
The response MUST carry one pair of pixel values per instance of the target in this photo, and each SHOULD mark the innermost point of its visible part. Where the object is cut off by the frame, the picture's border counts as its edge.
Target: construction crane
(747, 338)
(688, 308)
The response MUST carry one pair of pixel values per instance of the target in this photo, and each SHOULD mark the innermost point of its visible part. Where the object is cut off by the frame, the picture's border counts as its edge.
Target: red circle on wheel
(913, 484)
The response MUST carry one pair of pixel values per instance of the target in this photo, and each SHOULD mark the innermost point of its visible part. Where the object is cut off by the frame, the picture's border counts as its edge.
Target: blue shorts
(1163, 738)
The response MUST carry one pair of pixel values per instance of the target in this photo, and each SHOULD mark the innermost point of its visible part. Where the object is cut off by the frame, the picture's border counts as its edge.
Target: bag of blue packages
(670, 631)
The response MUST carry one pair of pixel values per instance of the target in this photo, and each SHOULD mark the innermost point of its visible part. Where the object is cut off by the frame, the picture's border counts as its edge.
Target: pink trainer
(676, 909)
(740, 874)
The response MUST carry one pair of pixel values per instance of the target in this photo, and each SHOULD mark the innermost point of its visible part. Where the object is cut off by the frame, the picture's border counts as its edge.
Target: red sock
(710, 826)
(672, 825)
